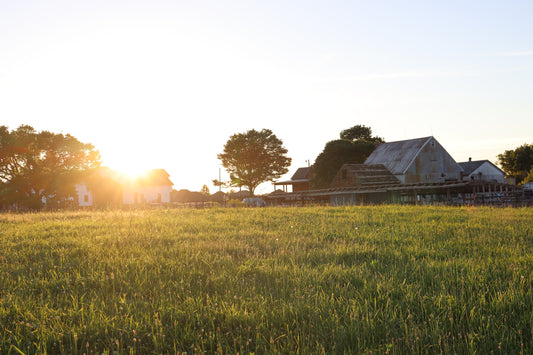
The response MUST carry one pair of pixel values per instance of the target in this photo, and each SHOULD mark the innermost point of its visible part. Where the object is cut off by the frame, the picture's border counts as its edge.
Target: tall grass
(388, 279)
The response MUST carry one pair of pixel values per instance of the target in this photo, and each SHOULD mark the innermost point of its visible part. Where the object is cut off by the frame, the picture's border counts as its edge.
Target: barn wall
(432, 164)
(488, 173)
(300, 186)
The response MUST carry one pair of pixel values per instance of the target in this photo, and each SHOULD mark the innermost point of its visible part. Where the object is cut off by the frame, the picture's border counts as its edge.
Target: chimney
(469, 159)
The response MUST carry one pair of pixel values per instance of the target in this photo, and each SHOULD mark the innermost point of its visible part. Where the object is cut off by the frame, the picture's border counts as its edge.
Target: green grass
(387, 279)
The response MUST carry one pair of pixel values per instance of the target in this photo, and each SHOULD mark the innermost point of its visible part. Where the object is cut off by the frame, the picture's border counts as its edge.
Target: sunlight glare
(128, 167)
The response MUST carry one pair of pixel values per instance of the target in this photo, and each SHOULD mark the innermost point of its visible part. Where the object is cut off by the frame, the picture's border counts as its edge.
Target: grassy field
(387, 279)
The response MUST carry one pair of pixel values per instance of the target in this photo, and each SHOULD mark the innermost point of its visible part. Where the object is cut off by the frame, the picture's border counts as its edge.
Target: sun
(127, 166)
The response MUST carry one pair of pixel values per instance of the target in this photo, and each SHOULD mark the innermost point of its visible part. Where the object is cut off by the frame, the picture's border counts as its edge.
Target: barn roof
(302, 173)
(397, 156)
(472, 165)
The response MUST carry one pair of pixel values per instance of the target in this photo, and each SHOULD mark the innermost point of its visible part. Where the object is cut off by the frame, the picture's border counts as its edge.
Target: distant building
(420, 160)
(85, 197)
(528, 186)
(482, 170)
(108, 188)
(300, 181)
(154, 187)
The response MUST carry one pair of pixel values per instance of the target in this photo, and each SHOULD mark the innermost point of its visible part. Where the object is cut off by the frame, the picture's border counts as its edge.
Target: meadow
(368, 279)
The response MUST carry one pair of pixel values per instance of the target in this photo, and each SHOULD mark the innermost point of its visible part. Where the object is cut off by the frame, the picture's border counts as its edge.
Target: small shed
(419, 160)
(300, 180)
(482, 170)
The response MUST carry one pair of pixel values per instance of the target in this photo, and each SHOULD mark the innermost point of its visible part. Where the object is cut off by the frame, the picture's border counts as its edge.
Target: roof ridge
(427, 139)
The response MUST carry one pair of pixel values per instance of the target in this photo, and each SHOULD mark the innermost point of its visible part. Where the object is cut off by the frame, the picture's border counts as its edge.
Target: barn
(482, 170)
(420, 160)
(415, 171)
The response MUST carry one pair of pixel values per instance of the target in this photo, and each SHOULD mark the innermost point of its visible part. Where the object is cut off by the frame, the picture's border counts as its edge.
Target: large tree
(360, 133)
(254, 157)
(36, 165)
(353, 147)
(517, 163)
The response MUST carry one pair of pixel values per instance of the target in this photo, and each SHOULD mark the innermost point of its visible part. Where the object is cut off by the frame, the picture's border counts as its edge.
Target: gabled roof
(397, 156)
(470, 166)
(155, 177)
(303, 173)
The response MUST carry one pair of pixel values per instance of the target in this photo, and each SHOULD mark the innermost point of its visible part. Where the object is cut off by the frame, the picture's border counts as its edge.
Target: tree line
(41, 166)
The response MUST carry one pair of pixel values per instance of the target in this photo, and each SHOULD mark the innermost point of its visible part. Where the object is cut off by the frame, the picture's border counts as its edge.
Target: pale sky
(163, 84)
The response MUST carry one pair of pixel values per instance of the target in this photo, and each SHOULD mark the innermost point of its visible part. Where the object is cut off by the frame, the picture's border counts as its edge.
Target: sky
(164, 84)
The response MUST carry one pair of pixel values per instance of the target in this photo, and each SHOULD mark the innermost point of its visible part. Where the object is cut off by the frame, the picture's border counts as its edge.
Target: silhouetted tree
(36, 165)
(205, 190)
(355, 145)
(360, 133)
(529, 177)
(254, 157)
(518, 162)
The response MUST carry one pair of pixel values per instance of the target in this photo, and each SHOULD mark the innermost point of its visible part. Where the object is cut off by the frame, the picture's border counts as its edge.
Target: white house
(152, 188)
(84, 195)
(111, 188)
(482, 170)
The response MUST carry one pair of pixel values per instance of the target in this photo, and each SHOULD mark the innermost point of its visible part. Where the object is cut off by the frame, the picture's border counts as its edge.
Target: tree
(254, 157)
(36, 165)
(518, 162)
(353, 147)
(529, 177)
(205, 190)
(360, 133)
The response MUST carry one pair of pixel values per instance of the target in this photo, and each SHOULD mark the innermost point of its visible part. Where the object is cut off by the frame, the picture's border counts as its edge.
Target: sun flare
(128, 167)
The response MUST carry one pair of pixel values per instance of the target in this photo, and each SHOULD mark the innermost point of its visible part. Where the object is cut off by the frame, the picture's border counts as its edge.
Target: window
(86, 198)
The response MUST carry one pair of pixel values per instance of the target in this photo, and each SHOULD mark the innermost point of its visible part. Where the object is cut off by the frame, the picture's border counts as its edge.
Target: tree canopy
(254, 157)
(353, 147)
(517, 163)
(360, 133)
(36, 165)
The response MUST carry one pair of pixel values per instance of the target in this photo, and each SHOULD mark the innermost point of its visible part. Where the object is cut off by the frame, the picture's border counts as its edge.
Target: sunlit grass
(392, 279)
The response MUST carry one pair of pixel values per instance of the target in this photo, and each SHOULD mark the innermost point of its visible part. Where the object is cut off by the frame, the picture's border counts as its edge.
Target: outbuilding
(482, 170)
